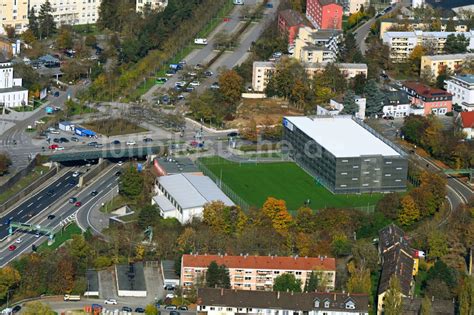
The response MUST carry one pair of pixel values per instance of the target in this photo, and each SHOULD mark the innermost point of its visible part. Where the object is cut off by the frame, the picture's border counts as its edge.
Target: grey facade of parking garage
(346, 174)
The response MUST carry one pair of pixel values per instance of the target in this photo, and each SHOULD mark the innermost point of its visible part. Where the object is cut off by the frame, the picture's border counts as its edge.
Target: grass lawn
(116, 202)
(22, 183)
(285, 180)
(113, 127)
(74, 108)
(61, 237)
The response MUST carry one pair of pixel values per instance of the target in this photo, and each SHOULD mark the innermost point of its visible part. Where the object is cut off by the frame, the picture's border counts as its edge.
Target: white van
(200, 41)
(69, 297)
(239, 2)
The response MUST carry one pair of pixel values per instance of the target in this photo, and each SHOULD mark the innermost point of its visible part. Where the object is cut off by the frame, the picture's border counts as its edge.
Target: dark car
(74, 139)
(16, 309)
(92, 144)
(118, 173)
(147, 140)
(51, 216)
(56, 94)
(139, 310)
(127, 309)
(183, 308)
(174, 313)
(57, 140)
(50, 192)
(116, 142)
(64, 140)
(232, 134)
(94, 193)
(208, 73)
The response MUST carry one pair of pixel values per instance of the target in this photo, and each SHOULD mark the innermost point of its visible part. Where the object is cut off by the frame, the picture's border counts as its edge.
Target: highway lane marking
(59, 184)
(109, 185)
(41, 196)
(30, 205)
(20, 211)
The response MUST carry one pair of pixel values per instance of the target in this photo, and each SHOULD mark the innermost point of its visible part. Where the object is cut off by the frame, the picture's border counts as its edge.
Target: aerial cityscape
(226, 157)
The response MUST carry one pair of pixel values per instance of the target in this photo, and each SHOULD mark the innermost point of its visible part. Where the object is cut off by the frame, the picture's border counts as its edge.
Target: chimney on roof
(278, 295)
(291, 293)
(432, 298)
(241, 254)
(335, 297)
(222, 291)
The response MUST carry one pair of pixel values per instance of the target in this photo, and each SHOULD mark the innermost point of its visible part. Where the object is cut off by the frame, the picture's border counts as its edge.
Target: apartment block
(417, 25)
(434, 101)
(324, 14)
(462, 89)
(289, 23)
(154, 4)
(71, 12)
(314, 45)
(263, 70)
(402, 43)
(13, 13)
(248, 272)
(451, 63)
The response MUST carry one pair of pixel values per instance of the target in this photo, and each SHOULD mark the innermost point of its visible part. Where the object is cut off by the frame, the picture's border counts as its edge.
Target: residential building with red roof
(324, 14)
(434, 101)
(466, 123)
(289, 23)
(249, 272)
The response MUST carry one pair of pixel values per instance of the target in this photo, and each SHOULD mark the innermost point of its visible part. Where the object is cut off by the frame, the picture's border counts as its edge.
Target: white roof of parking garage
(342, 136)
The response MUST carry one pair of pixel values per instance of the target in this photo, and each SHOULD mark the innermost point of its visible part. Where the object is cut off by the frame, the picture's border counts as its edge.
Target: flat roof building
(130, 280)
(452, 63)
(170, 277)
(344, 155)
(259, 271)
(92, 277)
(462, 89)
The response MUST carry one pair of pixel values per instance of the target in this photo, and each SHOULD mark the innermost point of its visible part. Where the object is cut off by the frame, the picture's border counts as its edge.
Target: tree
(425, 306)
(287, 282)
(46, 24)
(33, 24)
(10, 31)
(230, 87)
(9, 278)
(131, 183)
(393, 297)
(148, 215)
(5, 163)
(151, 309)
(409, 213)
(359, 280)
(64, 40)
(358, 83)
(438, 244)
(374, 98)
(275, 210)
(340, 245)
(312, 282)
(34, 308)
(442, 272)
(217, 276)
(304, 220)
(350, 106)
(389, 205)
(350, 52)
(466, 296)
(415, 58)
(365, 254)
(456, 44)
(90, 40)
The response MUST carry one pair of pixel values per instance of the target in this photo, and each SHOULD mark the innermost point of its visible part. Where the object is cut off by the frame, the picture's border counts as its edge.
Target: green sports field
(285, 180)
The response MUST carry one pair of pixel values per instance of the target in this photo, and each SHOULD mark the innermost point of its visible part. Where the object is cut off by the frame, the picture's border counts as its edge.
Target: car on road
(56, 140)
(118, 173)
(195, 83)
(215, 85)
(16, 309)
(59, 148)
(161, 80)
(37, 234)
(51, 217)
(115, 142)
(56, 94)
(98, 145)
(183, 308)
(75, 174)
(180, 97)
(119, 163)
(190, 89)
(233, 134)
(131, 142)
(72, 200)
(139, 310)
(170, 296)
(110, 302)
(92, 144)
(18, 240)
(78, 204)
(127, 309)
(11, 248)
(54, 132)
(53, 146)
(171, 307)
(208, 73)
(74, 139)
(180, 83)
(65, 140)
(147, 140)
(174, 313)
(192, 74)
(94, 193)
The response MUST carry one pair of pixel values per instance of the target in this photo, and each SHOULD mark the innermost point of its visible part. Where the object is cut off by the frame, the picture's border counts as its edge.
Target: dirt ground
(264, 111)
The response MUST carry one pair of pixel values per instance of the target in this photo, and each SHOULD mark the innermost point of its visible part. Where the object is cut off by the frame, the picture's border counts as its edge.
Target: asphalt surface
(65, 212)
(39, 202)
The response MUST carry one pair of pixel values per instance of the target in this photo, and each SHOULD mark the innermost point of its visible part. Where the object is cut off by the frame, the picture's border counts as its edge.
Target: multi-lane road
(106, 182)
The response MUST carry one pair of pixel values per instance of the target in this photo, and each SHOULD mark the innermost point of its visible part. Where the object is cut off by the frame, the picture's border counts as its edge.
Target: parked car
(73, 200)
(53, 146)
(19, 240)
(183, 308)
(190, 89)
(59, 148)
(171, 307)
(94, 193)
(195, 83)
(131, 142)
(139, 310)
(65, 140)
(208, 73)
(110, 302)
(170, 73)
(74, 139)
(174, 313)
(180, 83)
(127, 309)
(115, 142)
(92, 144)
(16, 309)
(147, 140)
(215, 85)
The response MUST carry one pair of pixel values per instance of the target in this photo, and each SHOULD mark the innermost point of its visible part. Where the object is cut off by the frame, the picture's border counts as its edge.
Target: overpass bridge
(120, 152)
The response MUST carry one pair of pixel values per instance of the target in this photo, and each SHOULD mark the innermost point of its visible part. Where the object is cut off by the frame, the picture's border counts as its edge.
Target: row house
(434, 101)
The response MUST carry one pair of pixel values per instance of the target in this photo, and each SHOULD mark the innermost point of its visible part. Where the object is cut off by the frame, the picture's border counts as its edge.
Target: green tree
(64, 40)
(350, 106)
(5, 163)
(450, 25)
(148, 215)
(425, 306)
(350, 52)
(9, 278)
(33, 24)
(230, 87)
(46, 24)
(393, 297)
(287, 282)
(151, 309)
(438, 244)
(456, 44)
(312, 283)
(340, 245)
(90, 40)
(359, 279)
(217, 276)
(365, 254)
(466, 296)
(131, 183)
(358, 83)
(409, 212)
(35, 308)
(374, 98)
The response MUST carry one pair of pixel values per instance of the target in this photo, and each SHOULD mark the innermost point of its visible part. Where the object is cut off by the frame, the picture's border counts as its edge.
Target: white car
(54, 132)
(59, 148)
(111, 301)
(75, 174)
(131, 142)
(170, 296)
(180, 83)
(18, 240)
(120, 163)
(195, 83)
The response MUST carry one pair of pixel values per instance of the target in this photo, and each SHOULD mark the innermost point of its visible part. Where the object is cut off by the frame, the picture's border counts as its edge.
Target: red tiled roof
(292, 18)
(467, 119)
(261, 262)
(424, 90)
(328, 2)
